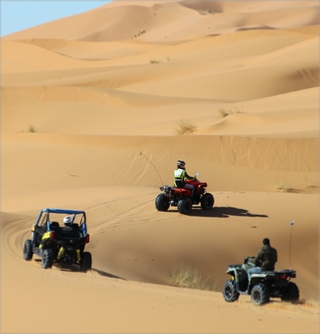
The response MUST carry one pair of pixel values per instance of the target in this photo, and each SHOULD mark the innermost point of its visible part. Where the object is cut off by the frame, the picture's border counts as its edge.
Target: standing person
(265, 260)
(180, 175)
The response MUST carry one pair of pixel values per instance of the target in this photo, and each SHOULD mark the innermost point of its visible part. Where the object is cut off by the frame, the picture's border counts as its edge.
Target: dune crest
(96, 109)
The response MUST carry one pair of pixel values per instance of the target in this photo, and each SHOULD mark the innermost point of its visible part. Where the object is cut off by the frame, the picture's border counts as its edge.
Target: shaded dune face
(97, 108)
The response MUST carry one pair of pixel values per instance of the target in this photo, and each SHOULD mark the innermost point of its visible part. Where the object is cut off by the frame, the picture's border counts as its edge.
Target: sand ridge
(92, 108)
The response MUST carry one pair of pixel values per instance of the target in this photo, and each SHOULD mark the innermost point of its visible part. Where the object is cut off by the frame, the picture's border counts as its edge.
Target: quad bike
(181, 197)
(49, 236)
(262, 286)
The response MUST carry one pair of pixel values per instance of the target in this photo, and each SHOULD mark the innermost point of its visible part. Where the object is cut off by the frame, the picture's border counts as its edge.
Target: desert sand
(92, 113)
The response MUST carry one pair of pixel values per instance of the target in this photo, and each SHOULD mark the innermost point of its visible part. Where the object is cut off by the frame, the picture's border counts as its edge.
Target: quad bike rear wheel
(47, 258)
(27, 250)
(207, 201)
(185, 205)
(260, 294)
(162, 202)
(290, 293)
(229, 291)
(86, 262)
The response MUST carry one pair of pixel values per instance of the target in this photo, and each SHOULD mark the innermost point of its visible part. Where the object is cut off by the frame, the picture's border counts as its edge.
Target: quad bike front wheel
(185, 205)
(162, 202)
(207, 201)
(260, 294)
(27, 250)
(229, 291)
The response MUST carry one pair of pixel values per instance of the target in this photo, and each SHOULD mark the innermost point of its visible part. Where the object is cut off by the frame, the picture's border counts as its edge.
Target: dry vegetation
(188, 277)
(282, 186)
(185, 127)
(224, 113)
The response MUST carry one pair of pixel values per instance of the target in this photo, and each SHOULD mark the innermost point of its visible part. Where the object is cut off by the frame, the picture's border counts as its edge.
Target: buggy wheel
(229, 291)
(27, 250)
(86, 262)
(162, 202)
(260, 294)
(207, 201)
(290, 293)
(185, 205)
(47, 258)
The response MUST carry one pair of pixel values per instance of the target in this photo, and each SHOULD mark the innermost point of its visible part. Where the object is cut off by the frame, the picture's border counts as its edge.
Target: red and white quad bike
(181, 197)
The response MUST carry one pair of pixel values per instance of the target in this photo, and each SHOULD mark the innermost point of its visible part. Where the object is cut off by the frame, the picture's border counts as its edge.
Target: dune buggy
(48, 235)
(262, 286)
(181, 197)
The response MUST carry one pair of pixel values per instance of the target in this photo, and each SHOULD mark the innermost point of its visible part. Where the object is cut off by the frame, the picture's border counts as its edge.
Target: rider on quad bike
(181, 175)
(186, 192)
(260, 286)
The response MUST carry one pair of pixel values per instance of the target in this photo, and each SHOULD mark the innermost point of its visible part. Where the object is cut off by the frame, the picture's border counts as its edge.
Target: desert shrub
(224, 113)
(187, 277)
(32, 129)
(282, 186)
(185, 127)
(154, 61)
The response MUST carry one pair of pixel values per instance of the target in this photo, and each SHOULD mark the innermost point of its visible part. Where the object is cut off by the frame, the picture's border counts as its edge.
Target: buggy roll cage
(45, 215)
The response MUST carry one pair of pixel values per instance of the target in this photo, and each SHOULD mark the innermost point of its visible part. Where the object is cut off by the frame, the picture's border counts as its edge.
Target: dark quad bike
(181, 197)
(262, 287)
(48, 236)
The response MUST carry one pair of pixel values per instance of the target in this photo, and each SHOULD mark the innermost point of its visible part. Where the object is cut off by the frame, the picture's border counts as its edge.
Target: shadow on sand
(103, 273)
(76, 269)
(223, 212)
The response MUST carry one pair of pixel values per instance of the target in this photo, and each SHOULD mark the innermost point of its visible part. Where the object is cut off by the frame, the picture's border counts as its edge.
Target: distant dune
(92, 109)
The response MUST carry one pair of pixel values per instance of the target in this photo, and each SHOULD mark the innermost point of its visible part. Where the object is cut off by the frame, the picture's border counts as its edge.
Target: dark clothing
(266, 258)
(69, 232)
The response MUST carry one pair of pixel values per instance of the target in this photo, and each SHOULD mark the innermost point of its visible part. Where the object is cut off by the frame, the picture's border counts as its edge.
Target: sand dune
(92, 111)
(167, 20)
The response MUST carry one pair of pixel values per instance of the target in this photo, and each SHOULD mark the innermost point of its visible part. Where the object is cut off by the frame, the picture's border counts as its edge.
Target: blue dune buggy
(54, 242)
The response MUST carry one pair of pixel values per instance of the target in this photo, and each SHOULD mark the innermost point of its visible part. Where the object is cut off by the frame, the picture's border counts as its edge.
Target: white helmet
(67, 220)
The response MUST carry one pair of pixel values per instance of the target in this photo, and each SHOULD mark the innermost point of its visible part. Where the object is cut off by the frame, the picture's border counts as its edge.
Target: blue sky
(18, 15)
